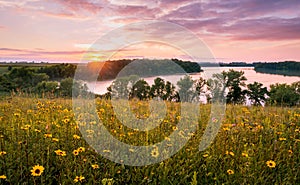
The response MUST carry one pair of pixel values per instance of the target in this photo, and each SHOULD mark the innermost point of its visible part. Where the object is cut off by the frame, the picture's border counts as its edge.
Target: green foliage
(216, 87)
(163, 90)
(186, 90)
(69, 87)
(140, 90)
(234, 80)
(284, 94)
(23, 79)
(59, 71)
(145, 68)
(47, 87)
(121, 86)
(289, 68)
(257, 93)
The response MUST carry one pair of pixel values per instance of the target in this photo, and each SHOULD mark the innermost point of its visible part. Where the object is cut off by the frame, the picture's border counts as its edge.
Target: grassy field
(40, 143)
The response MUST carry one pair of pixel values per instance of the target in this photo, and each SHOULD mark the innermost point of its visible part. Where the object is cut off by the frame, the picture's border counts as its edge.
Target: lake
(249, 72)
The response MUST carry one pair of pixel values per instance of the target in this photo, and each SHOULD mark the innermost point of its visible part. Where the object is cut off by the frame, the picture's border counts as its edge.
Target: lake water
(252, 76)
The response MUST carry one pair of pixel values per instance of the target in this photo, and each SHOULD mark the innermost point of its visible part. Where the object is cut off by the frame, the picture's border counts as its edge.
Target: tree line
(288, 68)
(55, 80)
(231, 86)
(228, 85)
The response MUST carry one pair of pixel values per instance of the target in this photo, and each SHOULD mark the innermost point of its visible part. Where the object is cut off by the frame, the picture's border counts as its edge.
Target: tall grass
(32, 131)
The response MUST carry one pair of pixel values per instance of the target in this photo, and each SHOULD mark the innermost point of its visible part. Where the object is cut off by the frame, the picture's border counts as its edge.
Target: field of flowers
(40, 143)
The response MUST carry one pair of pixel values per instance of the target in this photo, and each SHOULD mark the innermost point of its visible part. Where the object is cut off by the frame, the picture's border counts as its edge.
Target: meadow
(40, 143)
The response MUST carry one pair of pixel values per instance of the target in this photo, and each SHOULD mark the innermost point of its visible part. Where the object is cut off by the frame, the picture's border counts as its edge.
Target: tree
(170, 94)
(284, 94)
(234, 80)
(216, 87)
(186, 91)
(121, 86)
(47, 87)
(199, 85)
(140, 90)
(158, 88)
(257, 93)
(69, 87)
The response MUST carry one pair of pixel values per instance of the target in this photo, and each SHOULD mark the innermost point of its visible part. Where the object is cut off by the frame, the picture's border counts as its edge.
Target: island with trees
(287, 68)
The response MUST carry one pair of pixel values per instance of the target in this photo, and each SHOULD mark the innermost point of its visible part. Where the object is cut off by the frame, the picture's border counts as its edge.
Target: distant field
(4, 67)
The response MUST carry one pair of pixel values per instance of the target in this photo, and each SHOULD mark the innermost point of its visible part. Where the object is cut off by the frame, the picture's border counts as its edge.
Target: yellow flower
(229, 153)
(271, 164)
(81, 149)
(226, 129)
(244, 154)
(2, 177)
(79, 178)
(48, 135)
(76, 136)
(37, 170)
(75, 152)
(55, 139)
(95, 166)
(60, 152)
(2, 153)
(282, 139)
(205, 155)
(155, 152)
(290, 151)
(230, 172)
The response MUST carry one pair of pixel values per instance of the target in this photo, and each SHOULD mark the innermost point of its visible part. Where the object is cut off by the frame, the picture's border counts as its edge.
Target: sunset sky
(62, 30)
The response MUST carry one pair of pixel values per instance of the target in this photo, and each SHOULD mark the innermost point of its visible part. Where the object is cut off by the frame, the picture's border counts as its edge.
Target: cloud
(40, 51)
(246, 20)
(78, 5)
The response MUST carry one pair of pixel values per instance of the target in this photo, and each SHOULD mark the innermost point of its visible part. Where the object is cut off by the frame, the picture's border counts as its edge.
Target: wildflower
(95, 166)
(174, 128)
(55, 139)
(25, 127)
(2, 153)
(75, 152)
(131, 150)
(155, 153)
(81, 149)
(282, 139)
(230, 172)
(60, 152)
(2, 177)
(79, 178)
(226, 129)
(106, 151)
(244, 154)
(271, 164)
(229, 153)
(76, 136)
(47, 135)
(37, 170)
(37, 130)
(90, 131)
(290, 151)
(205, 155)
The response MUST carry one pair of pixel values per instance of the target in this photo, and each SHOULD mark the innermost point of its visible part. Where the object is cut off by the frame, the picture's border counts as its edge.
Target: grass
(45, 132)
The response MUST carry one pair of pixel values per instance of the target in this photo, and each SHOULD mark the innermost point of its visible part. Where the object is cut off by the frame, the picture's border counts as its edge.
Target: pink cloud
(77, 5)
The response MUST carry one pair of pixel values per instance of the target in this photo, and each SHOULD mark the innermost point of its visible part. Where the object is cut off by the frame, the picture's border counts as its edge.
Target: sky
(233, 30)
